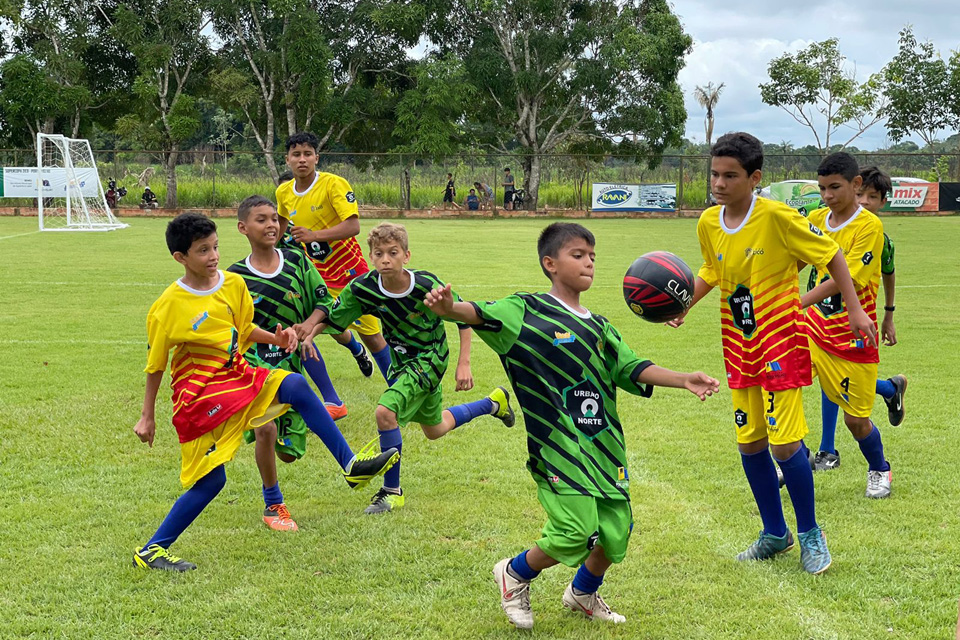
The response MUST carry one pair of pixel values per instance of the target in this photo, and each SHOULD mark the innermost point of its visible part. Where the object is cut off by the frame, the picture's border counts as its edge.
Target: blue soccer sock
(798, 477)
(872, 448)
(188, 506)
(317, 370)
(354, 346)
(295, 391)
(520, 569)
(464, 413)
(272, 495)
(585, 581)
(382, 358)
(762, 477)
(829, 410)
(388, 439)
(886, 389)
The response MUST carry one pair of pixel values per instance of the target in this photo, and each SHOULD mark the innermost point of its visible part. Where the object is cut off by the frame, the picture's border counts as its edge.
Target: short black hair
(476, 184)
(555, 236)
(745, 148)
(187, 228)
(839, 163)
(506, 168)
(250, 203)
(286, 176)
(303, 137)
(874, 178)
(450, 175)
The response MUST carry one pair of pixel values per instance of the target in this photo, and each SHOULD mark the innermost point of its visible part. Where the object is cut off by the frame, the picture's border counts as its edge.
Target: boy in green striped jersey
(420, 355)
(566, 364)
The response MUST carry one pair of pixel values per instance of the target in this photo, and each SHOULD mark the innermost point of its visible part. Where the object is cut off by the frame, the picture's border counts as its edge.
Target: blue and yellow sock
(872, 449)
(188, 506)
(317, 370)
(272, 495)
(886, 389)
(762, 477)
(829, 410)
(798, 477)
(388, 439)
(295, 391)
(464, 413)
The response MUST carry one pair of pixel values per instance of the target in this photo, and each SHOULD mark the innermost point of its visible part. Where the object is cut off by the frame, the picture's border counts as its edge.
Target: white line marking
(29, 233)
(55, 341)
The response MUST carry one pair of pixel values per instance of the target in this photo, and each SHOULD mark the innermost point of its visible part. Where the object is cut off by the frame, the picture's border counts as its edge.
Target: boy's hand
(888, 332)
(286, 338)
(676, 322)
(303, 329)
(301, 234)
(701, 385)
(440, 300)
(464, 377)
(308, 351)
(145, 429)
(863, 327)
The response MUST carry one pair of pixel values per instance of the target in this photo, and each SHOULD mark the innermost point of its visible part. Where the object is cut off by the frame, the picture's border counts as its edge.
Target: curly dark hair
(303, 137)
(187, 228)
(747, 150)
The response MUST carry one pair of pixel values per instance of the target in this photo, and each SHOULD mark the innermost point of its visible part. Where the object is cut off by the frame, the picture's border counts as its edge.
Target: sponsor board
(609, 196)
(22, 182)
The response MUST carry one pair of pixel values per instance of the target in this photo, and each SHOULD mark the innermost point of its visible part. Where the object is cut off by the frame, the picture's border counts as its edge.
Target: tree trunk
(171, 166)
(531, 180)
(405, 189)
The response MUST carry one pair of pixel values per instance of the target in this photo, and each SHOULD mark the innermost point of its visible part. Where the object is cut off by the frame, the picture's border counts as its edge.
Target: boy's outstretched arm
(146, 426)
(819, 293)
(441, 302)
(464, 376)
(860, 323)
(700, 289)
(286, 338)
(305, 328)
(888, 330)
(697, 383)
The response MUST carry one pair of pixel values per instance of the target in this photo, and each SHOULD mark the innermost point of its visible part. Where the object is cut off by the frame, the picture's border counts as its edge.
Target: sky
(734, 42)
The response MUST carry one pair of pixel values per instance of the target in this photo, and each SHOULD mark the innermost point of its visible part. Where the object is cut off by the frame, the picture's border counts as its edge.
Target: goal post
(70, 196)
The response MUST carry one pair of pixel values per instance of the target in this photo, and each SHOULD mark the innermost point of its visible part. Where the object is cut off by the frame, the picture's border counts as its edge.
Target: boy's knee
(433, 433)
(266, 433)
(386, 418)
(859, 427)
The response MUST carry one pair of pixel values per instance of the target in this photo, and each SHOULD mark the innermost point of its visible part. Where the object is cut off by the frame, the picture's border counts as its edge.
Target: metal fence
(215, 178)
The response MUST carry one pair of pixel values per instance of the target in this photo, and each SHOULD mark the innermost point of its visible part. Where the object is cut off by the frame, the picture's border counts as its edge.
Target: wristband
(894, 308)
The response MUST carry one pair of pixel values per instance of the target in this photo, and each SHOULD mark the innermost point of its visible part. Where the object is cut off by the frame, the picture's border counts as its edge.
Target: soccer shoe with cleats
(370, 463)
(503, 411)
(878, 484)
(514, 596)
(826, 461)
(278, 518)
(590, 605)
(814, 555)
(384, 501)
(895, 409)
(780, 479)
(336, 411)
(766, 547)
(156, 557)
(364, 362)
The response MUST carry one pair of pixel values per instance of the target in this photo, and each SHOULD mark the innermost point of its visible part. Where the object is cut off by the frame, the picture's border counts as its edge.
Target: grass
(80, 492)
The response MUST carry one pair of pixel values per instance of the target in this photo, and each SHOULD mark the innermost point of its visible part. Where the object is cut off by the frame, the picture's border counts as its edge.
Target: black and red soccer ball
(658, 286)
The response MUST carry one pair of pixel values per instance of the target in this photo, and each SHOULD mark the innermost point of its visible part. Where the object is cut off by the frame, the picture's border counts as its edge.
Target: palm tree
(708, 97)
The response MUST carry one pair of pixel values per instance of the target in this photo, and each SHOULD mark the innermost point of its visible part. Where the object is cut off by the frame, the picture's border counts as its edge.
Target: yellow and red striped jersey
(755, 266)
(828, 324)
(208, 332)
(328, 202)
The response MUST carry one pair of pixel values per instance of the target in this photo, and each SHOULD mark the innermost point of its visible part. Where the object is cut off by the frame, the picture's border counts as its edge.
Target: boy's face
(389, 258)
(302, 160)
(729, 181)
(202, 258)
(262, 226)
(839, 193)
(573, 266)
(870, 199)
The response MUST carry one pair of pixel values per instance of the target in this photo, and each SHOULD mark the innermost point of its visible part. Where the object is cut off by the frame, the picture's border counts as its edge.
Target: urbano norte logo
(615, 195)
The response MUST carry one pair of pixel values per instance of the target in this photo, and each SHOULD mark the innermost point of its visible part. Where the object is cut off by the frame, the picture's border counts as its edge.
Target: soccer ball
(658, 286)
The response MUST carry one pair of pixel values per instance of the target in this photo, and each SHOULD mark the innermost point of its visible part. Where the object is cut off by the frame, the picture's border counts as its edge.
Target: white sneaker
(514, 596)
(590, 605)
(878, 483)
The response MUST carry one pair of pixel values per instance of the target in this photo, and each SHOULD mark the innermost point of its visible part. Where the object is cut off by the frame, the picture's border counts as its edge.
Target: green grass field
(80, 491)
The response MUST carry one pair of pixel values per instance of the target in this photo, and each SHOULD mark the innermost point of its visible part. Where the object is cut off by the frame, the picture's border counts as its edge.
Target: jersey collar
(831, 228)
(746, 218)
(303, 193)
(585, 315)
(391, 294)
(207, 292)
(266, 275)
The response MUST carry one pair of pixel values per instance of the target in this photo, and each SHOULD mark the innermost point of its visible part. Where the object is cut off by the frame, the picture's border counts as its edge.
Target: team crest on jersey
(815, 230)
(350, 197)
(867, 258)
(584, 403)
(623, 482)
(199, 320)
(563, 338)
(291, 295)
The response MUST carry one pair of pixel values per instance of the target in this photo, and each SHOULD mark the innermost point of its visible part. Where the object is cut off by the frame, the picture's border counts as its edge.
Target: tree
(707, 97)
(547, 70)
(815, 80)
(173, 58)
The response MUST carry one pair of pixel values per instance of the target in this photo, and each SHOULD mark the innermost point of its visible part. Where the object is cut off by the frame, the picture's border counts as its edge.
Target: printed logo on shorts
(554, 479)
(623, 481)
(214, 411)
(740, 418)
(592, 540)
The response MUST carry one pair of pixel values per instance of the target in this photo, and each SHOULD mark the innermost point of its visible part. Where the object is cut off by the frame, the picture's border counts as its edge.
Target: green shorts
(577, 523)
(413, 401)
(291, 435)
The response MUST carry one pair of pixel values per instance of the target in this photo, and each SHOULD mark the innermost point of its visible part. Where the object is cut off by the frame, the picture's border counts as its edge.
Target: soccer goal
(69, 194)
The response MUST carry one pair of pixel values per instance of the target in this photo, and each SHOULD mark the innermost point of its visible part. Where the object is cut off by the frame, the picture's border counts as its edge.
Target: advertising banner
(950, 196)
(608, 196)
(909, 195)
(803, 196)
(21, 182)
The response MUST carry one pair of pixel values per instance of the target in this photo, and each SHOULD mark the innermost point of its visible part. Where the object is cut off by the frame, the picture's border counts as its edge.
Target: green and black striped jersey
(565, 368)
(287, 297)
(416, 335)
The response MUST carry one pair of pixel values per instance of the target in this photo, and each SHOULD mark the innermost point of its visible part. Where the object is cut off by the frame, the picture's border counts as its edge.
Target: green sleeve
(502, 321)
(886, 259)
(345, 311)
(623, 364)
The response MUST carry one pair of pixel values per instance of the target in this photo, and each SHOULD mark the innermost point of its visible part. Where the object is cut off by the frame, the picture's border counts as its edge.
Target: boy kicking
(565, 365)
(206, 318)
(395, 294)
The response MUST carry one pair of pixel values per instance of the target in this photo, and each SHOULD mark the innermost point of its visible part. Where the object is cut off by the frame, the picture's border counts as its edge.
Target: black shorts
(508, 197)
(448, 196)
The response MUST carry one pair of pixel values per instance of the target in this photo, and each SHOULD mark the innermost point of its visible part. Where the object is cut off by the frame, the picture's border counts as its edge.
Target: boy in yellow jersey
(324, 220)
(751, 247)
(845, 363)
(206, 318)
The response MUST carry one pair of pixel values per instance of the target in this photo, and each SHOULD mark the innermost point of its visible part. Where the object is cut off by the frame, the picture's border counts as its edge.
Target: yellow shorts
(777, 415)
(366, 325)
(202, 455)
(852, 385)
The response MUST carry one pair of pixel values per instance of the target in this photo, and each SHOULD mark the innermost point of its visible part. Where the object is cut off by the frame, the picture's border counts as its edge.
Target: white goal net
(70, 196)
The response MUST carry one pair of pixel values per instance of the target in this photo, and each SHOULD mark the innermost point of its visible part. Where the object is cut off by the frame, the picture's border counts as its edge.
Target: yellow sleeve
(805, 240)
(282, 209)
(863, 259)
(158, 344)
(343, 199)
(708, 272)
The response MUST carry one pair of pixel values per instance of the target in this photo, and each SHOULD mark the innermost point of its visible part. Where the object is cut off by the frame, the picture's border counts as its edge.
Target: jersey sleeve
(806, 241)
(343, 199)
(344, 311)
(158, 345)
(708, 271)
(864, 256)
(886, 259)
(282, 209)
(623, 364)
(502, 321)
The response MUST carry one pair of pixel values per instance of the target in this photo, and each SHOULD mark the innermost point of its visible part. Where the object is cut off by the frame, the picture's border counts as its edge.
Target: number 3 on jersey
(741, 307)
